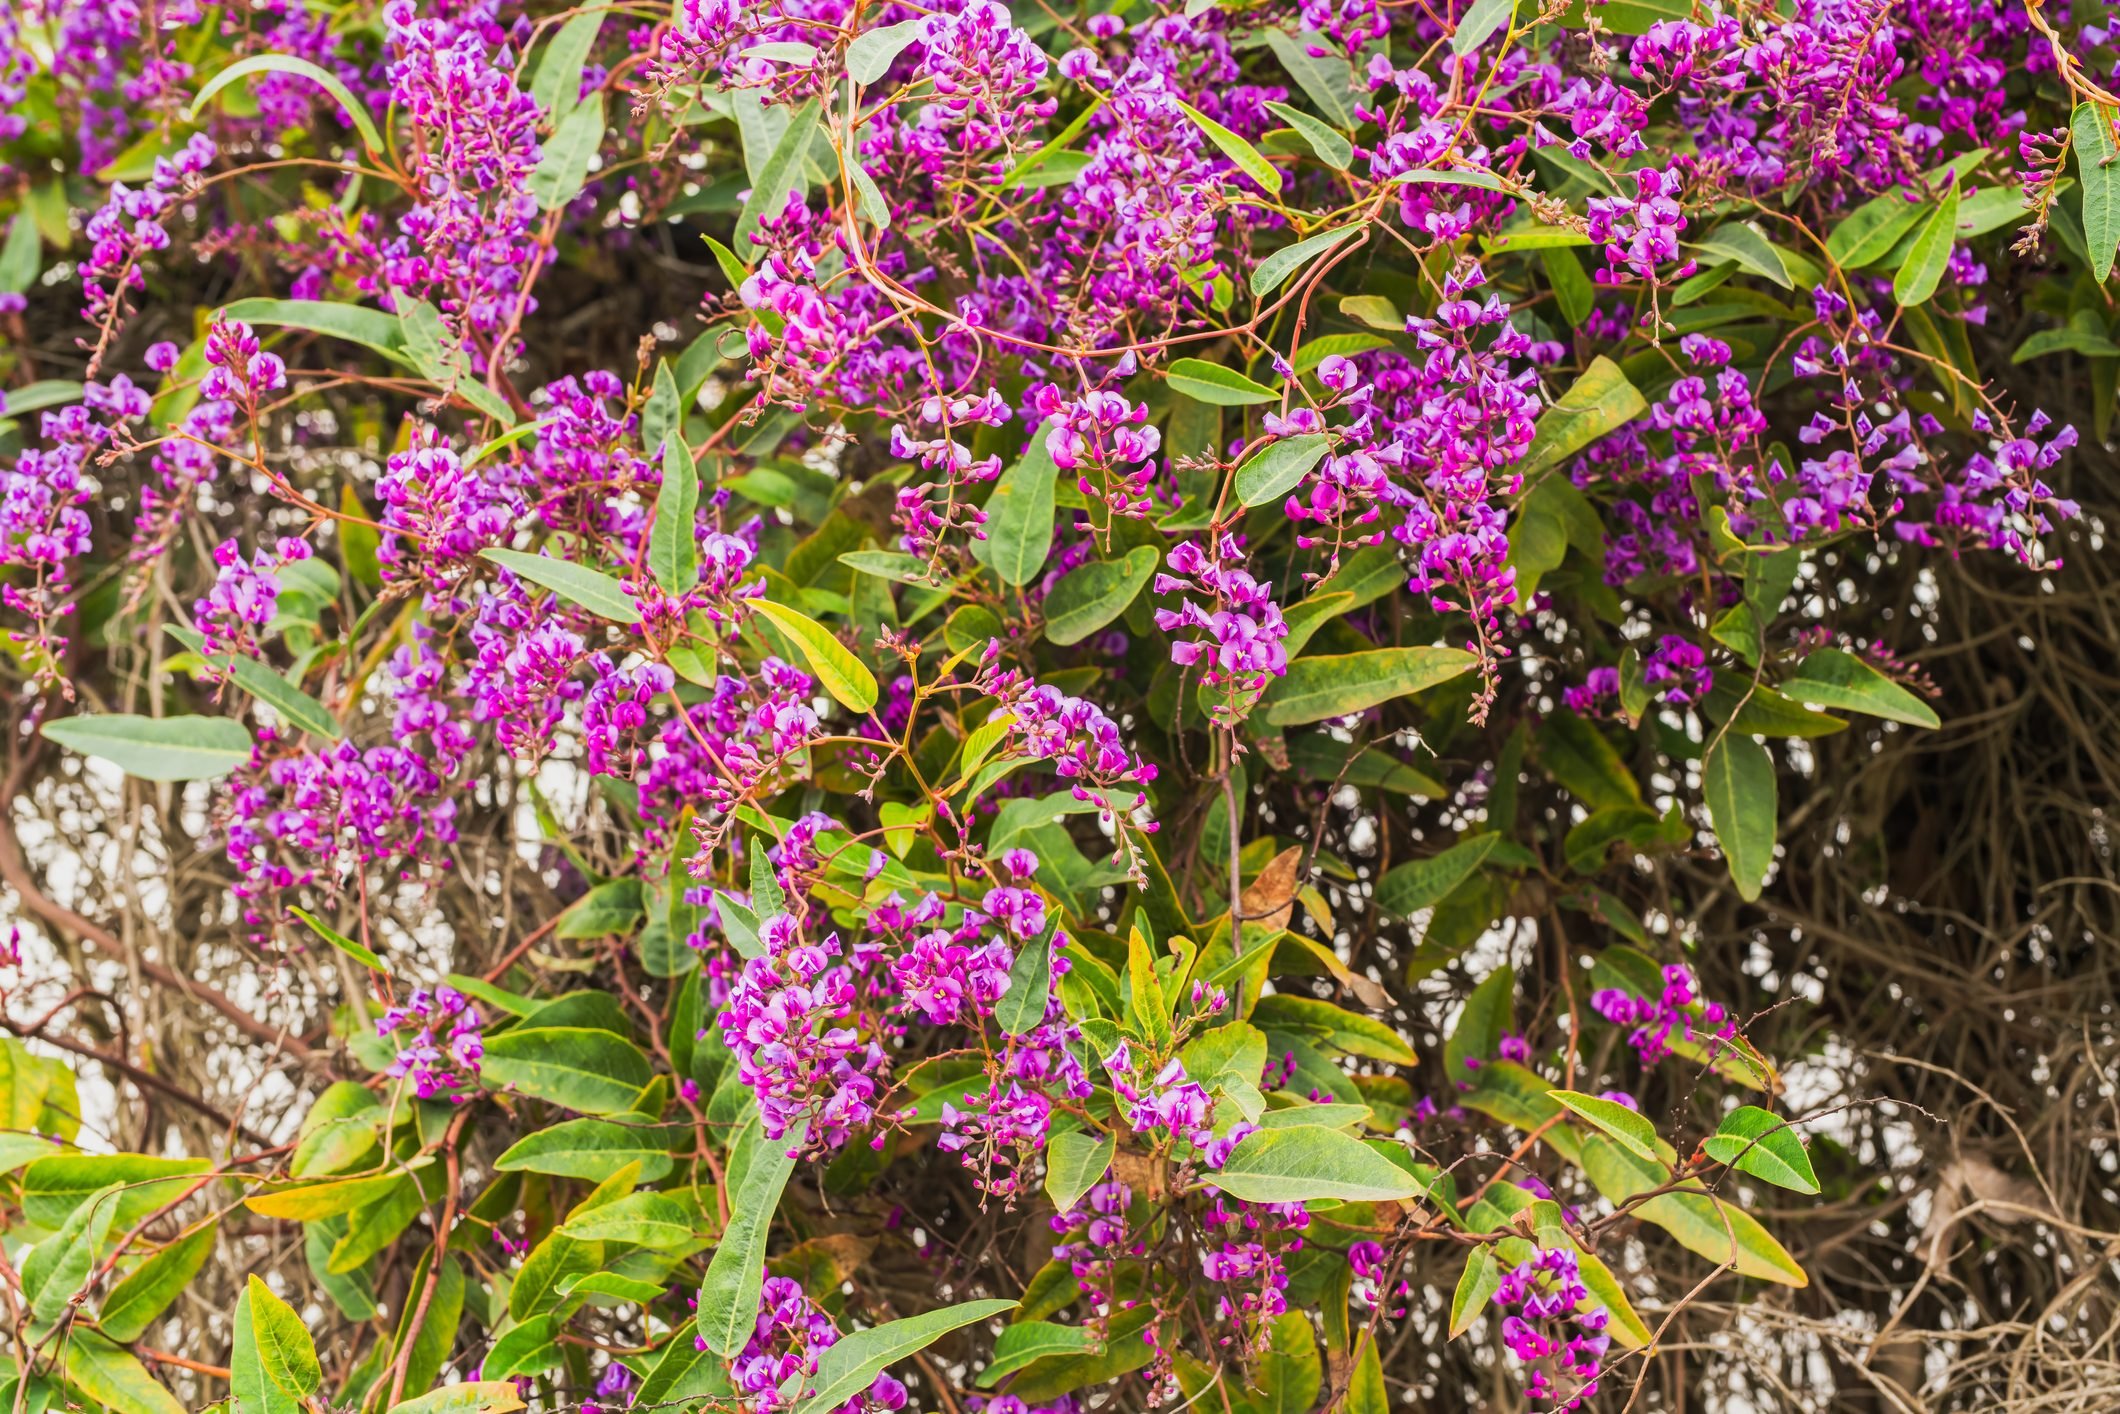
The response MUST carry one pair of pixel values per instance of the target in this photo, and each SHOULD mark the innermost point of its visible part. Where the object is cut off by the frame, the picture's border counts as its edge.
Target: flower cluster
(1651, 1021)
(439, 1043)
(1551, 1327)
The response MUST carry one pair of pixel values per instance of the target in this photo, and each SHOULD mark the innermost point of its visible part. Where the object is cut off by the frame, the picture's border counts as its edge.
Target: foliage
(1138, 556)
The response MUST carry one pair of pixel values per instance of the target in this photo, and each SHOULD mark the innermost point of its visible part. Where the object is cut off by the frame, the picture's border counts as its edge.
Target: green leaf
(1599, 402)
(1236, 149)
(2092, 130)
(1698, 1221)
(156, 748)
(1833, 677)
(1408, 888)
(608, 910)
(869, 57)
(1275, 269)
(284, 1346)
(1476, 1286)
(1572, 289)
(19, 258)
(1576, 753)
(1022, 172)
(1453, 177)
(364, 956)
(563, 166)
(370, 328)
(2069, 338)
(528, 1348)
(1339, 685)
(673, 1375)
(728, 1298)
(852, 1365)
(558, 82)
(1215, 385)
(1625, 1125)
(1332, 148)
(636, 1220)
(311, 1202)
(1332, 1027)
(371, 138)
(1092, 595)
(1030, 987)
(894, 565)
(593, 590)
(112, 1377)
(57, 1269)
(1929, 256)
(1480, 1026)
(1325, 79)
(1019, 516)
(35, 397)
(779, 174)
(1276, 468)
(1741, 241)
(1754, 1141)
(430, 1342)
(1737, 776)
(1075, 1162)
(845, 676)
(295, 707)
(1018, 1345)
(477, 1397)
(1482, 19)
(147, 1289)
(594, 1149)
(52, 1188)
(1308, 1163)
(1291, 1375)
(588, 1071)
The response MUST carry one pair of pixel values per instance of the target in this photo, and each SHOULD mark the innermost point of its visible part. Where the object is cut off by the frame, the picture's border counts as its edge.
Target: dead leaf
(1270, 899)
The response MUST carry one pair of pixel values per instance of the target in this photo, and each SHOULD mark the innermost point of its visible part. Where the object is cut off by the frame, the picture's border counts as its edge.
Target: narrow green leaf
(1236, 149)
(1597, 403)
(1019, 515)
(852, 1365)
(1309, 1163)
(364, 956)
(294, 707)
(845, 676)
(20, 256)
(2096, 166)
(673, 544)
(1275, 269)
(301, 68)
(1092, 595)
(284, 1346)
(636, 1220)
(1453, 177)
(1022, 172)
(149, 1288)
(36, 397)
(1476, 1286)
(1331, 146)
(1342, 684)
(1481, 22)
(1757, 1142)
(1930, 255)
(1741, 241)
(869, 57)
(728, 1298)
(779, 174)
(593, 590)
(370, 328)
(1030, 987)
(1481, 1025)
(1408, 888)
(609, 909)
(1737, 776)
(1833, 677)
(1572, 289)
(557, 84)
(1215, 385)
(112, 1377)
(156, 748)
(563, 166)
(1625, 1125)
(1018, 1345)
(1325, 79)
